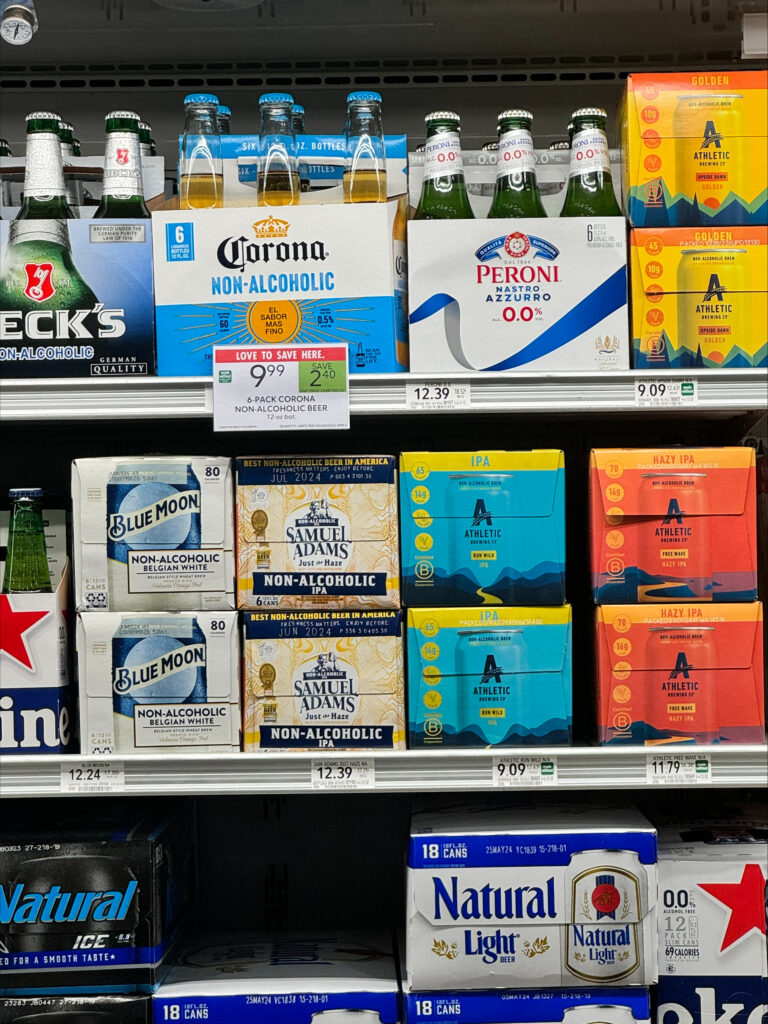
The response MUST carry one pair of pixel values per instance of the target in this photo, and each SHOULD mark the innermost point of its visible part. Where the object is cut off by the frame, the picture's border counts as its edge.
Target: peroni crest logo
(517, 244)
(714, 288)
(122, 157)
(39, 286)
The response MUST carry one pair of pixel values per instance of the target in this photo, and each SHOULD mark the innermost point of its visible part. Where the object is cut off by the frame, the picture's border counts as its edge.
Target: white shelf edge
(582, 768)
(720, 391)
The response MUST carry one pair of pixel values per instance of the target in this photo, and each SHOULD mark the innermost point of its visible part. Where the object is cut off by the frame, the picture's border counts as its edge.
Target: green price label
(322, 375)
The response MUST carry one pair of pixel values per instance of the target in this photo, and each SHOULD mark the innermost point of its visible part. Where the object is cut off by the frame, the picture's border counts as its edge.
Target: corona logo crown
(272, 227)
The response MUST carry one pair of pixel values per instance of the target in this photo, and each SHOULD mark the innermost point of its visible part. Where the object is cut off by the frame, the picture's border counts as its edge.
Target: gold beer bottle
(277, 183)
(201, 173)
(365, 170)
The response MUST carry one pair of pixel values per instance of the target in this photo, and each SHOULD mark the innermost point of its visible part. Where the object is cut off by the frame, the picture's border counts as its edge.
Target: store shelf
(720, 392)
(411, 771)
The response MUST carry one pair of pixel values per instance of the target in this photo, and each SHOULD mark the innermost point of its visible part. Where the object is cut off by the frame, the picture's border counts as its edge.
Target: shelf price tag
(678, 769)
(523, 772)
(661, 392)
(349, 773)
(437, 395)
(93, 777)
(280, 387)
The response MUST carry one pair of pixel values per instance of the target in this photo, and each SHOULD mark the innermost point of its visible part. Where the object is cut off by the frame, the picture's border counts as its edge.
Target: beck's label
(122, 166)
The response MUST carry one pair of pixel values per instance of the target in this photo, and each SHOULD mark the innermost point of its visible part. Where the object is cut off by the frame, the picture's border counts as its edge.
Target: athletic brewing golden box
(317, 532)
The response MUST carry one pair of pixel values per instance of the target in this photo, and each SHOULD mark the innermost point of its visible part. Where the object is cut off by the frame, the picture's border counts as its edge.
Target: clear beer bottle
(517, 191)
(201, 172)
(44, 192)
(590, 184)
(443, 190)
(299, 129)
(224, 119)
(26, 566)
(365, 169)
(277, 183)
(123, 191)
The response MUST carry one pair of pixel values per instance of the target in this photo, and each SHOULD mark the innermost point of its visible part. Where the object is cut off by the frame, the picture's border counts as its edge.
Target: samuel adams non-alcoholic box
(531, 897)
(87, 906)
(76, 298)
(556, 1006)
(92, 1009)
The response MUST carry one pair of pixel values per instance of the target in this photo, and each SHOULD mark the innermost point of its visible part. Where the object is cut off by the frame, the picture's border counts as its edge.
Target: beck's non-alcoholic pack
(76, 298)
(680, 673)
(283, 979)
(696, 148)
(699, 297)
(673, 524)
(511, 295)
(712, 949)
(317, 532)
(162, 681)
(489, 676)
(531, 897)
(153, 533)
(553, 1006)
(91, 905)
(93, 1009)
(323, 679)
(483, 527)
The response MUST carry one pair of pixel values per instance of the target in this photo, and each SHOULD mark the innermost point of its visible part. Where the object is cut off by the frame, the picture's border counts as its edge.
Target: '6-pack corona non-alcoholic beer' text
(79, 1009)
(696, 148)
(553, 1006)
(323, 679)
(158, 681)
(673, 524)
(531, 897)
(489, 676)
(483, 527)
(94, 907)
(153, 533)
(680, 673)
(699, 297)
(317, 532)
(283, 979)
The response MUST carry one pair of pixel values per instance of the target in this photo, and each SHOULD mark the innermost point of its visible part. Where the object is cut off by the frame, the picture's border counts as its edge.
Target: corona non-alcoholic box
(153, 533)
(531, 897)
(297, 275)
(91, 905)
(35, 700)
(696, 148)
(76, 298)
(680, 673)
(547, 1006)
(161, 681)
(673, 524)
(286, 978)
(323, 679)
(496, 676)
(93, 1009)
(527, 294)
(483, 527)
(712, 949)
(699, 297)
(317, 532)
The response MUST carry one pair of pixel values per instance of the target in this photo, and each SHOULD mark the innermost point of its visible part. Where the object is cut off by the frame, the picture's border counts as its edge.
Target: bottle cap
(201, 99)
(560, 144)
(515, 113)
(489, 147)
(145, 125)
(364, 97)
(269, 98)
(442, 115)
(4, 142)
(131, 114)
(224, 111)
(66, 126)
(590, 112)
(298, 109)
(25, 492)
(42, 115)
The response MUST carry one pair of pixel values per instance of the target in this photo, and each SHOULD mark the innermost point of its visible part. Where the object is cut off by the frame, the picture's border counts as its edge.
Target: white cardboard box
(153, 533)
(527, 294)
(158, 682)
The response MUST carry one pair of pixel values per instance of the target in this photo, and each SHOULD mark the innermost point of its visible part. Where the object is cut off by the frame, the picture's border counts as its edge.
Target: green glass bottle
(67, 140)
(590, 185)
(76, 147)
(145, 138)
(45, 197)
(123, 190)
(26, 566)
(517, 191)
(444, 190)
(5, 149)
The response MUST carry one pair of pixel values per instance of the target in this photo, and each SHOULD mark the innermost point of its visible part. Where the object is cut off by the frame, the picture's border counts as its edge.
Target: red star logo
(13, 625)
(745, 900)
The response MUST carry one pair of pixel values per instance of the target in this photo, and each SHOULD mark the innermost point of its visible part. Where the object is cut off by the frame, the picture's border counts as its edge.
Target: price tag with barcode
(350, 773)
(437, 395)
(662, 392)
(678, 769)
(93, 777)
(523, 772)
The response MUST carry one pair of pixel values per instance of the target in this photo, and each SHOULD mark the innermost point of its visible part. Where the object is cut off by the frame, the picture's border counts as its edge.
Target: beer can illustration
(709, 148)
(684, 698)
(607, 899)
(479, 509)
(592, 1013)
(713, 303)
(490, 679)
(678, 546)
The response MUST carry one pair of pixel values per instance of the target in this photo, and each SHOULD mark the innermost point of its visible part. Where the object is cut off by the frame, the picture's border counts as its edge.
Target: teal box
(483, 528)
(488, 677)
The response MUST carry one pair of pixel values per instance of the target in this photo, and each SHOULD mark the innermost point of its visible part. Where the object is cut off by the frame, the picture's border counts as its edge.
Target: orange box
(673, 524)
(680, 673)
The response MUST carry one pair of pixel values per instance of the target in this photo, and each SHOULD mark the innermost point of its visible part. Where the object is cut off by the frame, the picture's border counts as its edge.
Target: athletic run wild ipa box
(673, 524)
